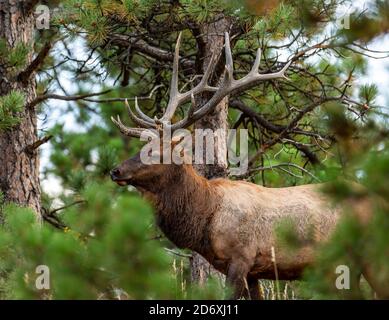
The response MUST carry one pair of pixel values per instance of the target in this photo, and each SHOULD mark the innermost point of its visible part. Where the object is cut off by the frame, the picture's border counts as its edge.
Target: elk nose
(115, 173)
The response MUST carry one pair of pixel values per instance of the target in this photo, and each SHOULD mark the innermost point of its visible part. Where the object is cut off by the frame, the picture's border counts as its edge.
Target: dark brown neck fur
(185, 205)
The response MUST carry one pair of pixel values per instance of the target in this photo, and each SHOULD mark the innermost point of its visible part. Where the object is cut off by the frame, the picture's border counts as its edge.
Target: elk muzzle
(116, 176)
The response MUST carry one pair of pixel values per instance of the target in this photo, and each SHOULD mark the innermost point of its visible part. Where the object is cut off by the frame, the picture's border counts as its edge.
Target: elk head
(134, 171)
(131, 171)
(149, 166)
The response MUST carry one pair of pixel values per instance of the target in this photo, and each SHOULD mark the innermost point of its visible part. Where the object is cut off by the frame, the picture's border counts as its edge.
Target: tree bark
(19, 165)
(211, 39)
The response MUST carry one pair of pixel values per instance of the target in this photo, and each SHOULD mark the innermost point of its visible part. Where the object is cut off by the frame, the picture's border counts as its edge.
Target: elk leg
(254, 293)
(236, 278)
(380, 289)
(356, 286)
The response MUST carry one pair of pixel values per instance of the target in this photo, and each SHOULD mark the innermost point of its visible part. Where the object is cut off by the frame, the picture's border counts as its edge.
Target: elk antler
(227, 87)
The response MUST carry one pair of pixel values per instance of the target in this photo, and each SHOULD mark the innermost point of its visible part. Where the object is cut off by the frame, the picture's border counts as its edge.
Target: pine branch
(32, 147)
(277, 166)
(150, 96)
(52, 218)
(49, 96)
(25, 75)
(67, 206)
(236, 104)
(29, 5)
(239, 105)
(143, 47)
(292, 125)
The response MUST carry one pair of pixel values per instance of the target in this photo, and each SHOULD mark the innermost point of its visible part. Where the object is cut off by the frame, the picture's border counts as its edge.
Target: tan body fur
(245, 225)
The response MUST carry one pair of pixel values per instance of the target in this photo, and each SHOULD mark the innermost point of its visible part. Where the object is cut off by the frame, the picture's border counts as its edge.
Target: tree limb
(52, 218)
(48, 96)
(142, 46)
(32, 147)
(279, 165)
(150, 96)
(67, 206)
(29, 5)
(236, 104)
(292, 125)
(25, 75)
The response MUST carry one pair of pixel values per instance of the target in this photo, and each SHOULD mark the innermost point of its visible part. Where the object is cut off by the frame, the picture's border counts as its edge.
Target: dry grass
(270, 290)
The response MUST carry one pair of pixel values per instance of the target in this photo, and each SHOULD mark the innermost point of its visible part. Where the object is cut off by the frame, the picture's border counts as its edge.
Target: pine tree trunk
(19, 168)
(212, 40)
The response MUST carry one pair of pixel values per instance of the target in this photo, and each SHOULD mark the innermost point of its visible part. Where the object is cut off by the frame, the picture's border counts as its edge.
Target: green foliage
(107, 250)
(107, 159)
(278, 22)
(89, 18)
(356, 246)
(365, 27)
(92, 14)
(368, 93)
(138, 8)
(360, 240)
(14, 58)
(18, 56)
(10, 105)
(203, 10)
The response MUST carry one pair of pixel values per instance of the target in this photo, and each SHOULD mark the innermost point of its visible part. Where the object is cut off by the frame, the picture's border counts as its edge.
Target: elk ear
(182, 149)
(176, 140)
(179, 138)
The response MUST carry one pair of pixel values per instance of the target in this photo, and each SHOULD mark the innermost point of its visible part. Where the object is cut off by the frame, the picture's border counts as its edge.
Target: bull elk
(230, 223)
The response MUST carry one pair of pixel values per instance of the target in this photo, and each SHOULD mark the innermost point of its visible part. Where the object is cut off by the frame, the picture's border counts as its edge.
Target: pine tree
(19, 174)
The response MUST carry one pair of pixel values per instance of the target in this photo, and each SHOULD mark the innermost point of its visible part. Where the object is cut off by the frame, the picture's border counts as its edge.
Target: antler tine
(141, 113)
(132, 132)
(138, 121)
(229, 60)
(176, 61)
(283, 70)
(204, 81)
(231, 86)
(193, 106)
(228, 87)
(177, 98)
(146, 124)
(257, 62)
(174, 92)
(203, 85)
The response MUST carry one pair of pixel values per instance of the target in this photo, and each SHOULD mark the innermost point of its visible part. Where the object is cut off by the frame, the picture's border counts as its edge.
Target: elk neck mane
(185, 204)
